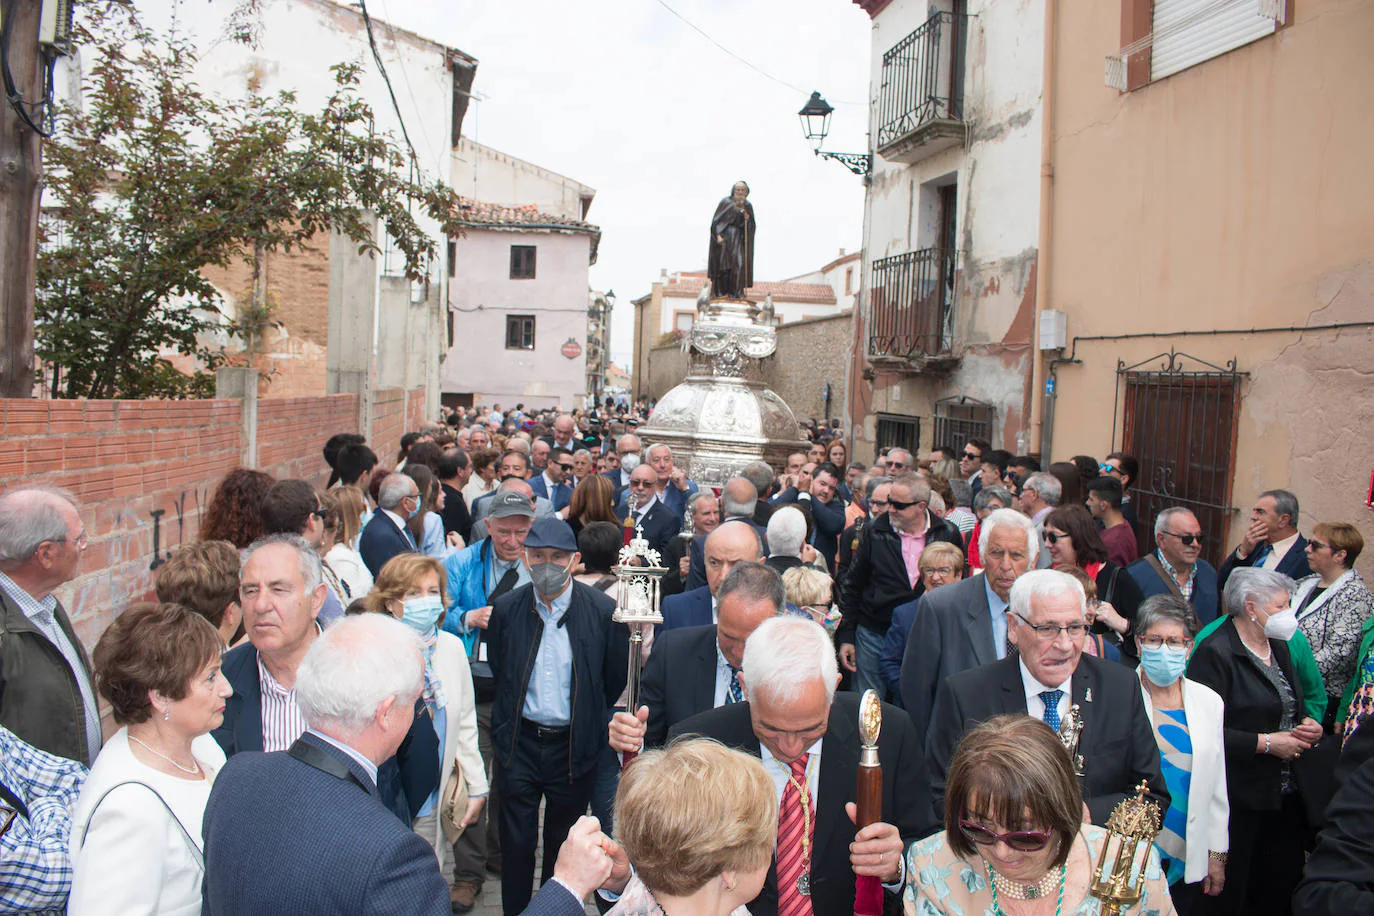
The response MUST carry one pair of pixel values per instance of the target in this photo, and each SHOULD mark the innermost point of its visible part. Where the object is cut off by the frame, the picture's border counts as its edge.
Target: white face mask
(1282, 626)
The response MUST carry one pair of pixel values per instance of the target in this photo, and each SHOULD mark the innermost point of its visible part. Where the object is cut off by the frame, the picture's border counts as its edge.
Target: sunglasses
(1020, 840)
(1187, 540)
(973, 456)
(899, 505)
(1053, 538)
(566, 467)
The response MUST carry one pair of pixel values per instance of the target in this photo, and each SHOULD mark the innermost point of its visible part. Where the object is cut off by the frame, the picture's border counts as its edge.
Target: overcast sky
(627, 98)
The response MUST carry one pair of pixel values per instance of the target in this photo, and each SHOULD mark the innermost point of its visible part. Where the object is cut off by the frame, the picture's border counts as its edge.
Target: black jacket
(40, 700)
(1117, 743)
(679, 679)
(877, 580)
(906, 793)
(456, 516)
(1339, 876)
(600, 651)
(404, 782)
(1223, 663)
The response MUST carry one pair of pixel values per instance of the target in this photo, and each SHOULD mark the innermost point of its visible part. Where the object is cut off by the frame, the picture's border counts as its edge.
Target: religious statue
(731, 263)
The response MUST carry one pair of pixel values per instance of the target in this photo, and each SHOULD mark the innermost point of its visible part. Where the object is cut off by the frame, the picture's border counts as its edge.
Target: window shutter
(1188, 32)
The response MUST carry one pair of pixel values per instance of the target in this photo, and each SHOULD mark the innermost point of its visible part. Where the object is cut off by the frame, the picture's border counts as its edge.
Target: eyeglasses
(1173, 642)
(1020, 840)
(1316, 545)
(879, 503)
(899, 505)
(939, 571)
(1048, 632)
(1187, 540)
(641, 485)
(566, 467)
(973, 456)
(1054, 538)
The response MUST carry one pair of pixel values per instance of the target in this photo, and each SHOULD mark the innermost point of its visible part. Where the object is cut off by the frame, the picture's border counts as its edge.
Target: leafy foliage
(157, 180)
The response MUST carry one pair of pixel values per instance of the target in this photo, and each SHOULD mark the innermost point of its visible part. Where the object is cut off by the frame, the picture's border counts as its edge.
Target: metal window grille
(897, 431)
(962, 418)
(1179, 421)
(921, 78)
(913, 304)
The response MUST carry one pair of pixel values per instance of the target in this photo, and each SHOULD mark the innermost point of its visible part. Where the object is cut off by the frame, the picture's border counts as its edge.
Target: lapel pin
(1088, 695)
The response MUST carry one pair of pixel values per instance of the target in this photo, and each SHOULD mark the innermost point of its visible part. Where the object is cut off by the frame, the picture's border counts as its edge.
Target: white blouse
(130, 858)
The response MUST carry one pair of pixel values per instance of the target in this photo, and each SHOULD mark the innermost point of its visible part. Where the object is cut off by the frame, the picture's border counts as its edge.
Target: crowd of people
(378, 696)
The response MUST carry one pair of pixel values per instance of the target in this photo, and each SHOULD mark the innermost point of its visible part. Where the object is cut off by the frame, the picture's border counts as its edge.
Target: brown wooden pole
(20, 171)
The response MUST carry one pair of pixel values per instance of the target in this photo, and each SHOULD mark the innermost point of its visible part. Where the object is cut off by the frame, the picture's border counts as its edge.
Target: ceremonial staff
(639, 577)
(868, 798)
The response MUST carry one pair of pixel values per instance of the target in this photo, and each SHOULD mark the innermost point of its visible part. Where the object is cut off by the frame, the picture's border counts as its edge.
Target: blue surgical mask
(422, 613)
(1162, 664)
(416, 511)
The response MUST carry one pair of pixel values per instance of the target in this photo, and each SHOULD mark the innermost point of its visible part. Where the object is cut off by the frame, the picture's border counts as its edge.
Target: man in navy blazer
(1272, 540)
(385, 534)
(304, 830)
(280, 607)
(729, 544)
(660, 523)
(827, 509)
(1178, 542)
(552, 482)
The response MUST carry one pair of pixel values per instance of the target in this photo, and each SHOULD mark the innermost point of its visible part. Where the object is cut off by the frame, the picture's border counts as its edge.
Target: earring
(166, 714)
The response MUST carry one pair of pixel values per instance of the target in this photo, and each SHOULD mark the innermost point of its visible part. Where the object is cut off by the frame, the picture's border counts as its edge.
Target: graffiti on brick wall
(179, 506)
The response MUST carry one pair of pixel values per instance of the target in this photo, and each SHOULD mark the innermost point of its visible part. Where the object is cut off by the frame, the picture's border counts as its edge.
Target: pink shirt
(912, 545)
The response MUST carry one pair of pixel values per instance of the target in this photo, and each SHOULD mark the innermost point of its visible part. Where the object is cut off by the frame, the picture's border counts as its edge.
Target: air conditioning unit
(55, 26)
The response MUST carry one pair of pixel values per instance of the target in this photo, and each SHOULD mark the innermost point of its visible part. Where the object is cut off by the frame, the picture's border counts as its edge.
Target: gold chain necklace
(193, 771)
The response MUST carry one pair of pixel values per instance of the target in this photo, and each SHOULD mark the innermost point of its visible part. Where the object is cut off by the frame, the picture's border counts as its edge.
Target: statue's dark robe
(731, 264)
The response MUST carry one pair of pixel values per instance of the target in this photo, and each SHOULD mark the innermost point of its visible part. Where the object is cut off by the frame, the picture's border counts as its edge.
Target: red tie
(796, 830)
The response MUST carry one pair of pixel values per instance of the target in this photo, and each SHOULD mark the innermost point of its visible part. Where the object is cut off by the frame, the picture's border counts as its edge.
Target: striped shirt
(35, 865)
(282, 720)
(43, 615)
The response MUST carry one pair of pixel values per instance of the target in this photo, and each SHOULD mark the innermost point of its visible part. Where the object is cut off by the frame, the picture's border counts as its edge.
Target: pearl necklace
(1034, 891)
(195, 766)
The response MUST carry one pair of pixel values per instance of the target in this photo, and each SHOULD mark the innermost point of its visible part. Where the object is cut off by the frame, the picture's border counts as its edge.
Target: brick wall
(125, 460)
(388, 424)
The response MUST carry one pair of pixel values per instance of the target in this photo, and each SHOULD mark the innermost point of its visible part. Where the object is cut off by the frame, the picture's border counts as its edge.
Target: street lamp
(815, 122)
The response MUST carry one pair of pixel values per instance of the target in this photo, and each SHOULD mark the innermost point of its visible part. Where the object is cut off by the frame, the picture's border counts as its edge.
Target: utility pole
(20, 172)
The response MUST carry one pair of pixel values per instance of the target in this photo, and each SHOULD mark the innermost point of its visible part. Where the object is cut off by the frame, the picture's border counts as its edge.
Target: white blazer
(460, 738)
(1209, 808)
(131, 858)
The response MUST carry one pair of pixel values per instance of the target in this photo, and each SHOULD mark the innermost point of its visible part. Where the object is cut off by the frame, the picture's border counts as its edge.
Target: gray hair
(1047, 485)
(394, 488)
(649, 452)
(1285, 503)
(311, 572)
(1251, 583)
(937, 504)
(786, 532)
(785, 654)
(753, 582)
(354, 666)
(910, 458)
(873, 484)
(1162, 519)
(731, 506)
(1010, 518)
(1045, 583)
(583, 451)
(987, 495)
(963, 492)
(28, 517)
(917, 487)
(760, 474)
(1163, 608)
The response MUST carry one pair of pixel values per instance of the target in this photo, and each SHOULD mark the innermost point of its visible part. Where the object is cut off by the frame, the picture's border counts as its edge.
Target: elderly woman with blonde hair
(812, 590)
(698, 822)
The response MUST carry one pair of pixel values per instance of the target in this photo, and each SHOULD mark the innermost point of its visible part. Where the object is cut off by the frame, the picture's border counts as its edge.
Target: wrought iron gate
(960, 419)
(899, 432)
(1180, 424)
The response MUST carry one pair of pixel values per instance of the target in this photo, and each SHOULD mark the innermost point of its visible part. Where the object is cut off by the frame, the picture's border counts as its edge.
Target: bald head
(730, 543)
(519, 486)
(738, 498)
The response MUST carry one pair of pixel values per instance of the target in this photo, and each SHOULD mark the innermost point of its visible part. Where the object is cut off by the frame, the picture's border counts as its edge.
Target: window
(848, 281)
(897, 431)
(1167, 36)
(522, 262)
(452, 258)
(520, 331)
(959, 419)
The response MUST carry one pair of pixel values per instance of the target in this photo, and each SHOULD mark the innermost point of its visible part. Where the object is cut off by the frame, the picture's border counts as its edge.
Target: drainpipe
(1042, 409)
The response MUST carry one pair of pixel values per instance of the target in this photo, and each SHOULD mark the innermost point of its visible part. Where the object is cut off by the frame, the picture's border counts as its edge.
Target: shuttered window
(1188, 32)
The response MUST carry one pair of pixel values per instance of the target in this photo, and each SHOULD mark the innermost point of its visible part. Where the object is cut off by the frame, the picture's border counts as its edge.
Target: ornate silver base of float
(723, 416)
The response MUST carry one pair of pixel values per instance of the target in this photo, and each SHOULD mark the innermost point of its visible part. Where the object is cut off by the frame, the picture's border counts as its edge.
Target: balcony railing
(921, 99)
(913, 305)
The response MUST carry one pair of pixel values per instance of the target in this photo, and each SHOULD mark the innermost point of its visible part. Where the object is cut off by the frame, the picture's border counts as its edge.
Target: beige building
(1209, 240)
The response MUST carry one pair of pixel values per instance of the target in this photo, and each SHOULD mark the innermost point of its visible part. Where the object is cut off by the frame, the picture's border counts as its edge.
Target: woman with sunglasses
(1335, 611)
(1187, 720)
(1072, 539)
(1014, 841)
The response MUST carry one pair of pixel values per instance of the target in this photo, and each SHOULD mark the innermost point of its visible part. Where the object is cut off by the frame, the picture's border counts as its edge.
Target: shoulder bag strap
(190, 843)
(14, 801)
(1163, 573)
(1111, 586)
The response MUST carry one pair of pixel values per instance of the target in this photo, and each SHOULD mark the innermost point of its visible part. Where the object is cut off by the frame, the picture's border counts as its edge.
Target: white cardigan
(460, 739)
(1209, 808)
(131, 858)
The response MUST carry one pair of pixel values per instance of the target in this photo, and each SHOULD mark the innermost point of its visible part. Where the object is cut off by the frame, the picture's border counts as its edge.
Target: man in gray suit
(964, 625)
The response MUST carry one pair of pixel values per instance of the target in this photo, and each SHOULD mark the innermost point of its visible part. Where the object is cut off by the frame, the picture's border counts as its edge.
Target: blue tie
(735, 693)
(1262, 553)
(1051, 700)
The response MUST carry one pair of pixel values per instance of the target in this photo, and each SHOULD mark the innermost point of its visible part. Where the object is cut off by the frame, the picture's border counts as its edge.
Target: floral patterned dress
(939, 883)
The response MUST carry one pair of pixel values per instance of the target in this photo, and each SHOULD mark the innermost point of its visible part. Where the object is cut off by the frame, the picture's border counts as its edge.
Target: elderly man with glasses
(1047, 677)
(1176, 567)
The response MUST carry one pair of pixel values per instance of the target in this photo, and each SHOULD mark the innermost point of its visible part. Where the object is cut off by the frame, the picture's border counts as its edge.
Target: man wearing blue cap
(559, 663)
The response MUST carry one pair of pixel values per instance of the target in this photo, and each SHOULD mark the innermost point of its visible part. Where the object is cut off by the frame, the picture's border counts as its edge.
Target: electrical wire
(12, 94)
(748, 63)
(386, 78)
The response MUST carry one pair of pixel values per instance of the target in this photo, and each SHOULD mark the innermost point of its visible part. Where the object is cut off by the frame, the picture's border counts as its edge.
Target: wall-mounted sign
(571, 348)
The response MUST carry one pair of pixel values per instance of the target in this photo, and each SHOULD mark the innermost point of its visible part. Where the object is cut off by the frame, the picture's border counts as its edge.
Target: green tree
(156, 180)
